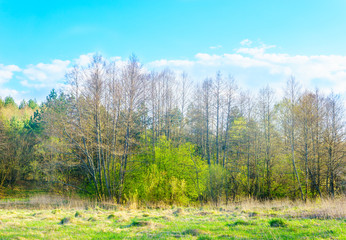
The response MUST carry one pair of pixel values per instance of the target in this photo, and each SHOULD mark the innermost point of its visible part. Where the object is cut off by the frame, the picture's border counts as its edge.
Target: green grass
(190, 223)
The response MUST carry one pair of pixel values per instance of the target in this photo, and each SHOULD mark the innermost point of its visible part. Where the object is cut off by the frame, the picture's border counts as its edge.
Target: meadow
(53, 217)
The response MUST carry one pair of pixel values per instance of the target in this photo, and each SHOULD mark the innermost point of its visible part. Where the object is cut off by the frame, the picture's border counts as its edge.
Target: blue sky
(39, 40)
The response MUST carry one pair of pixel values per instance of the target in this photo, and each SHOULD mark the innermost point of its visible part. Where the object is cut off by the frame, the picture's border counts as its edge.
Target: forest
(124, 134)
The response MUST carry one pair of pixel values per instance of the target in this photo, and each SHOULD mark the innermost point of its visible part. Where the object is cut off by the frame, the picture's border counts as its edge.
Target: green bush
(136, 223)
(277, 222)
(240, 222)
(78, 214)
(171, 177)
(65, 220)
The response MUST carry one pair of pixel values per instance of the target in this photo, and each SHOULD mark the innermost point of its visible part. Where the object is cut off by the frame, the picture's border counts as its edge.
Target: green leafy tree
(9, 101)
(32, 104)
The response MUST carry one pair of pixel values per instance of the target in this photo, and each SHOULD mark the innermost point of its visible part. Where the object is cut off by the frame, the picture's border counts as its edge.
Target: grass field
(246, 220)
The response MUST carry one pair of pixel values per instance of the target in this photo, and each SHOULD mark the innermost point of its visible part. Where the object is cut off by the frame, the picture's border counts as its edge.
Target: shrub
(277, 223)
(65, 220)
(136, 223)
(91, 219)
(78, 214)
(240, 222)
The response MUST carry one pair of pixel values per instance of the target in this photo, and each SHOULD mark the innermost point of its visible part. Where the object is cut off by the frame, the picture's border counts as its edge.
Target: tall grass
(50, 201)
(326, 208)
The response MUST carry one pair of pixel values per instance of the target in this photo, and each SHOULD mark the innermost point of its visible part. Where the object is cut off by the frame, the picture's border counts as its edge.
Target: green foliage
(137, 223)
(65, 220)
(52, 96)
(16, 125)
(278, 222)
(78, 214)
(238, 129)
(240, 222)
(92, 219)
(217, 175)
(9, 101)
(32, 104)
(169, 175)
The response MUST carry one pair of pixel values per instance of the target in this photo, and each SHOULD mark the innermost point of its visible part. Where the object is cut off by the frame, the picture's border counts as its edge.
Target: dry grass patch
(167, 218)
(204, 213)
(178, 212)
(319, 208)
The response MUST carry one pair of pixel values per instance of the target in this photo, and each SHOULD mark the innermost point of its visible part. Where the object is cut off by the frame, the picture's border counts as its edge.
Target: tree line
(121, 133)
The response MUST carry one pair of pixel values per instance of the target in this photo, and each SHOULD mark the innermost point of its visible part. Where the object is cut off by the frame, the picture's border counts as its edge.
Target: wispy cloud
(255, 51)
(84, 59)
(7, 71)
(6, 74)
(255, 67)
(172, 63)
(45, 74)
(246, 42)
(16, 95)
(215, 47)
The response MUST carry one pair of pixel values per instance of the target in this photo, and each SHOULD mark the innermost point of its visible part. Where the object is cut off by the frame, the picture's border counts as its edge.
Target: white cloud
(235, 60)
(36, 85)
(171, 63)
(7, 71)
(205, 58)
(44, 75)
(255, 51)
(6, 74)
(17, 95)
(84, 59)
(254, 67)
(246, 42)
(215, 47)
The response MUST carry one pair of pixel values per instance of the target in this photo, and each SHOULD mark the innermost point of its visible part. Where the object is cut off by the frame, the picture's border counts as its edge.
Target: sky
(257, 42)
